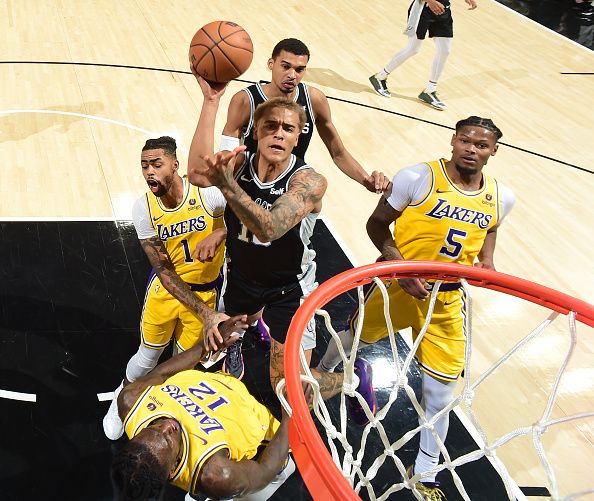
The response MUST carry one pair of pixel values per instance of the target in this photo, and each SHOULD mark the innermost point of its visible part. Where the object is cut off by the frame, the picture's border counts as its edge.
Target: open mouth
(153, 185)
(276, 147)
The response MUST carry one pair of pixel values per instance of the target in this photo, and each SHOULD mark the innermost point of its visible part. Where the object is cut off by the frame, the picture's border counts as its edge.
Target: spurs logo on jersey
(182, 228)
(256, 96)
(214, 411)
(448, 224)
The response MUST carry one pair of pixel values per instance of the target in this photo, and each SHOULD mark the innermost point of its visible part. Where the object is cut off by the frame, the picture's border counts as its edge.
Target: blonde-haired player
(445, 210)
(181, 229)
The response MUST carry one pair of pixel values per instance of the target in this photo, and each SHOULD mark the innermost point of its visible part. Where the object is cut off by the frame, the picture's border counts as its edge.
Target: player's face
(472, 147)
(163, 438)
(277, 133)
(287, 70)
(158, 169)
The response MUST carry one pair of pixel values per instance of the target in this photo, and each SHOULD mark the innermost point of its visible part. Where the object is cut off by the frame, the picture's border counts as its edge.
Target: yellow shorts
(163, 316)
(441, 351)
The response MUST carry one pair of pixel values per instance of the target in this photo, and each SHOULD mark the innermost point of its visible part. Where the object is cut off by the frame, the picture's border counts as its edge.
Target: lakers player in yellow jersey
(202, 432)
(181, 229)
(445, 210)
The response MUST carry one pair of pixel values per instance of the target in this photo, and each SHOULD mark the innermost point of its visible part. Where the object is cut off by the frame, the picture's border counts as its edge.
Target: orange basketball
(221, 51)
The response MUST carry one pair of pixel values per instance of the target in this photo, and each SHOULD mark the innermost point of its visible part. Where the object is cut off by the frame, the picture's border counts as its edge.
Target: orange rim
(323, 479)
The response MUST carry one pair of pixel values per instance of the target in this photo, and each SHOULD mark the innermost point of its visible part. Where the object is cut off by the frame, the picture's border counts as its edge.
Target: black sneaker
(432, 100)
(233, 363)
(379, 86)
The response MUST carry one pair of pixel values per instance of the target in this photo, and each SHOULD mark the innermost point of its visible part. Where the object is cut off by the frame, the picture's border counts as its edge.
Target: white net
(351, 457)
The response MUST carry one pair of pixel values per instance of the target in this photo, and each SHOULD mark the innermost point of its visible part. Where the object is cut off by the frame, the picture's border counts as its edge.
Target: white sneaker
(112, 424)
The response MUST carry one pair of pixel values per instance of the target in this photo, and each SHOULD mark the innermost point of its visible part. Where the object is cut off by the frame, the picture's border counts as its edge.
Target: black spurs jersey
(257, 96)
(285, 260)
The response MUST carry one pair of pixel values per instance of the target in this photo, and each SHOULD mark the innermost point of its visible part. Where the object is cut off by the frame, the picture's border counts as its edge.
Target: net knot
(468, 397)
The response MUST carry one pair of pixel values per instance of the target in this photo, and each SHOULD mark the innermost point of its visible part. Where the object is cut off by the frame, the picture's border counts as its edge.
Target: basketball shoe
(429, 490)
(233, 363)
(260, 334)
(112, 424)
(432, 100)
(364, 372)
(380, 86)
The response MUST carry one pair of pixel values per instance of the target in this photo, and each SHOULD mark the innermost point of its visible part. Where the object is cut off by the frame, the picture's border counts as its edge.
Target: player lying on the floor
(200, 431)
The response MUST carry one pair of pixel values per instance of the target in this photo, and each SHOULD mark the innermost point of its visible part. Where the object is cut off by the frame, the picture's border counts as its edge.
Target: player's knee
(436, 394)
(143, 361)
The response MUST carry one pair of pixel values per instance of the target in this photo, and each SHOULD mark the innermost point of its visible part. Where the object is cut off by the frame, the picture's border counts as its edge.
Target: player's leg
(441, 29)
(417, 22)
(189, 330)
(374, 323)
(278, 314)
(379, 79)
(441, 358)
(157, 324)
(240, 297)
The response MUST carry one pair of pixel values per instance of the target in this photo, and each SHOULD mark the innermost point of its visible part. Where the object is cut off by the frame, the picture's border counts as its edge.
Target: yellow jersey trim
(462, 192)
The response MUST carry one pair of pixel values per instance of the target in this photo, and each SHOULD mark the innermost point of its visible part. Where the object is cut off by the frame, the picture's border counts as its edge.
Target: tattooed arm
(163, 266)
(304, 195)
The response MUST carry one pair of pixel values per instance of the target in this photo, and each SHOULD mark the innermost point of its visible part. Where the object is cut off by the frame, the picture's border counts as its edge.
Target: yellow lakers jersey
(447, 224)
(215, 411)
(182, 228)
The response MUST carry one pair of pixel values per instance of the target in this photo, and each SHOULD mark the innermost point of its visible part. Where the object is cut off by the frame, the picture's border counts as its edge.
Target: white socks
(142, 362)
(112, 424)
(436, 396)
(332, 356)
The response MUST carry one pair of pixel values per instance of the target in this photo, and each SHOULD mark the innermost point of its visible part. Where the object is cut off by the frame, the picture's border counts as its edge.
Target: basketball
(221, 51)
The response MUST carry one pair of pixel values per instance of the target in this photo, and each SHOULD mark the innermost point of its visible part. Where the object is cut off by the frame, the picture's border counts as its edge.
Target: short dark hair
(485, 123)
(280, 102)
(136, 474)
(166, 143)
(291, 45)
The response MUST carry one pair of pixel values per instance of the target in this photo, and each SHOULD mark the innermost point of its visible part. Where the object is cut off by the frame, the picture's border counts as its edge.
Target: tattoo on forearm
(304, 193)
(161, 262)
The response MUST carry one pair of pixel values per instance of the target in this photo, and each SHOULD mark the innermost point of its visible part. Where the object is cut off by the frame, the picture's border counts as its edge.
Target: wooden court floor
(84, 83)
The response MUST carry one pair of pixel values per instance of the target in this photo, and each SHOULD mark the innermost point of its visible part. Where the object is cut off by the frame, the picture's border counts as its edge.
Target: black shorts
(279, 303)
(437, 26)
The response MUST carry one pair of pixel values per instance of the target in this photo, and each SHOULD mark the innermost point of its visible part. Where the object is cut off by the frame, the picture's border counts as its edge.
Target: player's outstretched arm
(161, 262)
(222, 478)
(180, 362)
(238, 115)
(377, 181)
(203, 140)
(304, 195)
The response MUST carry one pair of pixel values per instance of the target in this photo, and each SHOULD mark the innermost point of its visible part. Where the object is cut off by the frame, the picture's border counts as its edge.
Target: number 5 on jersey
(453, 245)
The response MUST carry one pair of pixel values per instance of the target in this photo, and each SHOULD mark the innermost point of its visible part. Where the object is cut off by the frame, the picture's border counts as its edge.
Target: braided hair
(485, 123)
(137, 474)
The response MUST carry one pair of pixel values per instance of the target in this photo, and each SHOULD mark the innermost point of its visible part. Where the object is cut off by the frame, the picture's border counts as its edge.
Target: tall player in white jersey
(273, 199)
(444, 210)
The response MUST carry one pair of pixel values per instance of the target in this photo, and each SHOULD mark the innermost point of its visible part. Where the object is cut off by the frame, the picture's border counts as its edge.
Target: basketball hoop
(323, 478)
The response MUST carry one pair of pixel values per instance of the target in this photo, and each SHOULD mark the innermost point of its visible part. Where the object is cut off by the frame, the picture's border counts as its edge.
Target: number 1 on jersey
(187, 253)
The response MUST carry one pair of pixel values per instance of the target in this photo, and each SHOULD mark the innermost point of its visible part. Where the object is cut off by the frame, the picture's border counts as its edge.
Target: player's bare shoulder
(309, 184)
